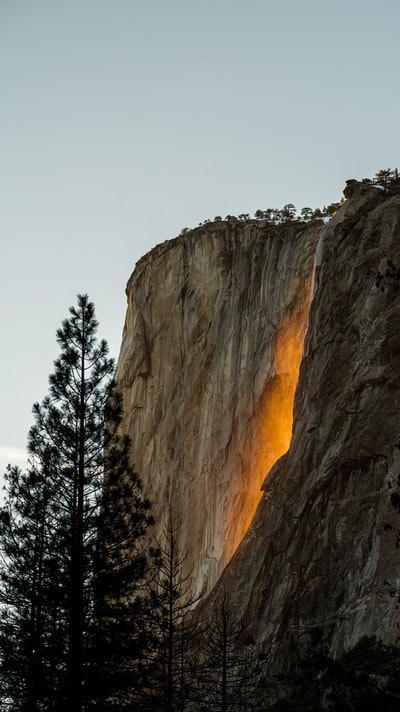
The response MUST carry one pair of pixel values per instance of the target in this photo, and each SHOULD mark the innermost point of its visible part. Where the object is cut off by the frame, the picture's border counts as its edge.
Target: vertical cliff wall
(208, 368)
(319, 560)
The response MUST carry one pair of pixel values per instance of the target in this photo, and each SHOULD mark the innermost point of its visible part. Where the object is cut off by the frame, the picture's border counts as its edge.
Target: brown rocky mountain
(219, 322)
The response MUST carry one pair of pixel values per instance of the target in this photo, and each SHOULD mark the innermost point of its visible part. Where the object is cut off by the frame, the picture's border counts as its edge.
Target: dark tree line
(92, 618)
(388, 179)
(278, 216)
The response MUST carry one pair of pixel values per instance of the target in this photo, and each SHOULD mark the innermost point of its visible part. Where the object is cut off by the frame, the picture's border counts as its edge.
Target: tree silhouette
(171, 683)
(120, 633)
(227, 668)
(55, 531)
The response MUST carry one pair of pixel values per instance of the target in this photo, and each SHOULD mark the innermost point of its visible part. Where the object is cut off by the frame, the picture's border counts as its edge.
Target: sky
(124, 121)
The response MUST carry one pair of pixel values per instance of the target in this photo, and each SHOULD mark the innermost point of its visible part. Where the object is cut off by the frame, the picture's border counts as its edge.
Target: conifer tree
(67, 442)
(170, 684)
(56, 533)
(31, 635)
(226, 675)
(121, 636)
(383, 177)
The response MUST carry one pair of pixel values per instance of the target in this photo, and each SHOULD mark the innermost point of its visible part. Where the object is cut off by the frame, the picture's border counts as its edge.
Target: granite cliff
(219, 322)
(208, 367)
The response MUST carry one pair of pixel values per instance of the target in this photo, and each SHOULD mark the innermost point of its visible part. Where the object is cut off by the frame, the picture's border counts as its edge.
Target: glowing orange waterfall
(272, 424)
(275, 426)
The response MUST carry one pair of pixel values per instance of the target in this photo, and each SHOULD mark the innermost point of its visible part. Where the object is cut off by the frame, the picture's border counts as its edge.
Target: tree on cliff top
(50, 540)
(388, 178)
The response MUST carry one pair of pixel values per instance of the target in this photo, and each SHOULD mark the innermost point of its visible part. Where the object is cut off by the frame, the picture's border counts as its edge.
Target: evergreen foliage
(170, 686)
(32, 624)
(388, 179)
(226, 674)
(67, 545)
(120, 635)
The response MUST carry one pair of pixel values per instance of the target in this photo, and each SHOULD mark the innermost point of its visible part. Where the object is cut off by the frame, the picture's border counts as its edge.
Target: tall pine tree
(56, 534)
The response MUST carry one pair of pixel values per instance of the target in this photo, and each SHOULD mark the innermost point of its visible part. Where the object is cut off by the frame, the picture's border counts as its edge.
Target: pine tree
(121, 637)
(288, 212)
(67, 442)
(226, 675)
(306, 214)
(30, 635)
(383, 177)
(57, 539)
(170, 685)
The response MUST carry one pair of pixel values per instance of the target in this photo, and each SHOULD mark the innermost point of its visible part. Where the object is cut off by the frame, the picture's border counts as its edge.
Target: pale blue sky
(122, 122)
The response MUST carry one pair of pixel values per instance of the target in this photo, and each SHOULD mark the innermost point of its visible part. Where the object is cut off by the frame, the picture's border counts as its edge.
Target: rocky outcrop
(208, 368)
(357, 188)
(319, 562)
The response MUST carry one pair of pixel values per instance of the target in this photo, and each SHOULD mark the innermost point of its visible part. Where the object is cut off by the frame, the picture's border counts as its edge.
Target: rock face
(320, 560)
(208, 367)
